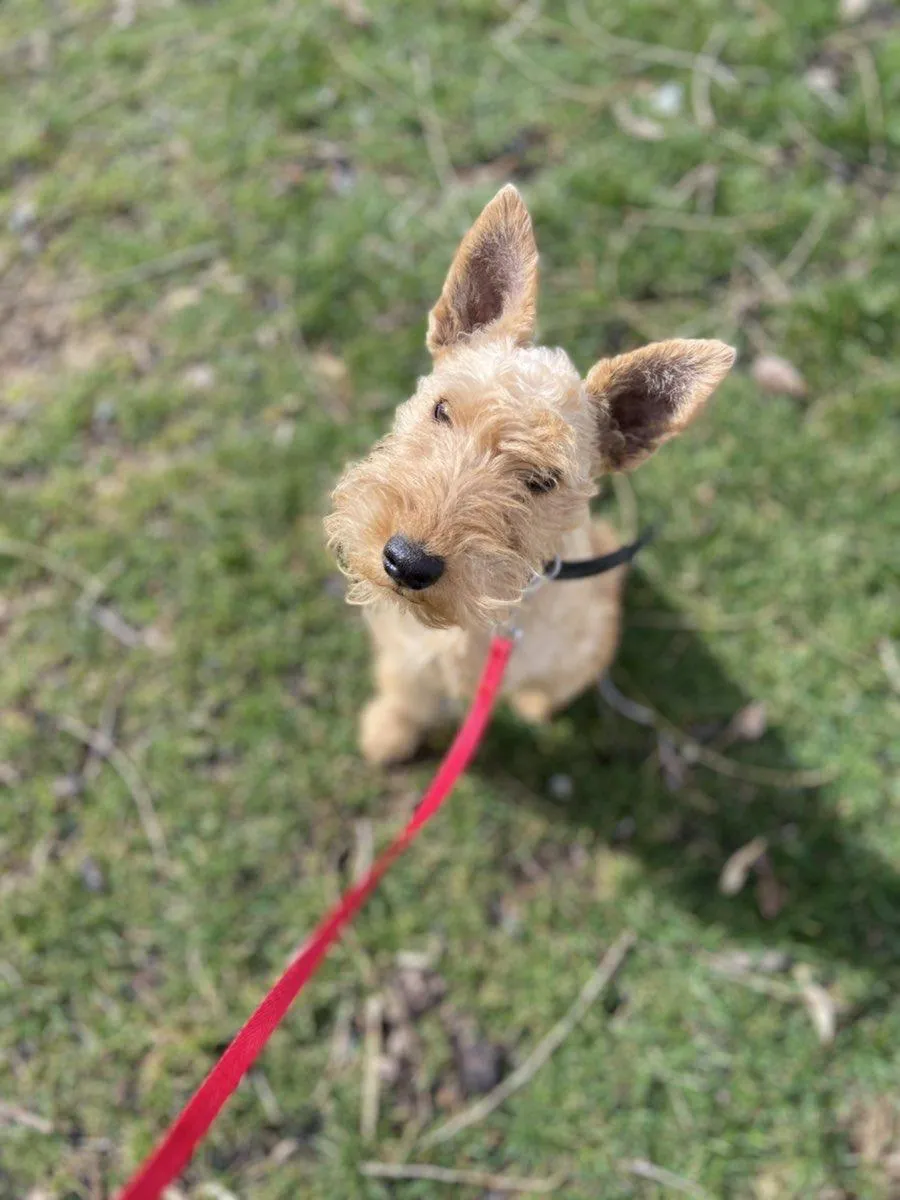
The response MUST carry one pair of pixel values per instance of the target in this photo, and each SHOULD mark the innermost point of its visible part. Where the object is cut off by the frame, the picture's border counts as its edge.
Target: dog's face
(494, 457)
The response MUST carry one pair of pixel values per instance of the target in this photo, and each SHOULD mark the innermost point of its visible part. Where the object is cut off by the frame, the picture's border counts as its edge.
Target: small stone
(67, 787)
(560, 787)
(778, 376)
(479, 1063)
(852, 10)
(749, 723)
(91, 875)
(283, 433)
(421, 990)
(22, 217)
(623, 831)
(104, 412)
(31, 243)
(181, 298)
(668, 99)
(775, 962)
(739, 865)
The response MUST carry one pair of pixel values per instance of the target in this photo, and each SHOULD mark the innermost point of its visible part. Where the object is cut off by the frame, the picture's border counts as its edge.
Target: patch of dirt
(874, 1129)
(40, 334)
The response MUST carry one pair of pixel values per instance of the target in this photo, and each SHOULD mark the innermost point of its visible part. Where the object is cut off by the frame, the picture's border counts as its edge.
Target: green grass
(174, 429)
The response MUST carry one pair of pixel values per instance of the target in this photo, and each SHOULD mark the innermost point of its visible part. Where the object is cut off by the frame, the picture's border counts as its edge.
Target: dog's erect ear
(648, 396)
(492, 283)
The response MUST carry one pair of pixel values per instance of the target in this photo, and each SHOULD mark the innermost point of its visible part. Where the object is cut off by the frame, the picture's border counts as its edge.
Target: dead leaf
(774, 962)
(822, 1011)
(672, 763)
(199, 378)
(355, 12)
(738, 963)
(86, 351)
(124, 13)
(560, 787)
(9, 775)
(778, 376)
(420, 990)
(875, 1134)
(852, 10)
(182, 297)
(738, 867)
(480, 1064)
(142, 353)
(641, 127)
(749, 723)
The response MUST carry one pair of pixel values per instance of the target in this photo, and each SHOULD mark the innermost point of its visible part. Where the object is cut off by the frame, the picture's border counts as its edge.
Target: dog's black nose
(410, 564)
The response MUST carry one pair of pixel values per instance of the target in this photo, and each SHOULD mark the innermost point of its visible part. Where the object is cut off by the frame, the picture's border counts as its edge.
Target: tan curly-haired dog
(484, 478)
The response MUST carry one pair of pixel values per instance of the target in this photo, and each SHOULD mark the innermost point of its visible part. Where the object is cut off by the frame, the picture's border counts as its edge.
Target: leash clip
(509, 628)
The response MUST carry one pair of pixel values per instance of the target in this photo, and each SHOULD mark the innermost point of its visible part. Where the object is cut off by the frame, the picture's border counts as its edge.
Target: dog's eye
(538, 484)
(441, 412)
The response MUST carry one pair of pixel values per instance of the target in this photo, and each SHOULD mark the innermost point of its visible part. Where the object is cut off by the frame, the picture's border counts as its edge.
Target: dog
(486, 477)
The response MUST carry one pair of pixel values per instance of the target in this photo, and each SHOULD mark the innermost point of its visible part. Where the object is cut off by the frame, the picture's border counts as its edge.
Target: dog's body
(486, 476)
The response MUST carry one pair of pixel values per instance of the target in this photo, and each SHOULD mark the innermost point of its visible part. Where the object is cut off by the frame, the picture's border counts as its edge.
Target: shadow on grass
(837, 895)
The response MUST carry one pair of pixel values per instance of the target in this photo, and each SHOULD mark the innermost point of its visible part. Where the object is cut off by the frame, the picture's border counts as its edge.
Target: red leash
(174, 1151)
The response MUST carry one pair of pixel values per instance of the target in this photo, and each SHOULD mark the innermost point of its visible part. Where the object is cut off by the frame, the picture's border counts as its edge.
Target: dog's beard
(477, 591)
(483, 523)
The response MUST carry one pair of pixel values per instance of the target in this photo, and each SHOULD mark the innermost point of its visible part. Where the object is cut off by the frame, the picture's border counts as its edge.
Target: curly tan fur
(490, 466)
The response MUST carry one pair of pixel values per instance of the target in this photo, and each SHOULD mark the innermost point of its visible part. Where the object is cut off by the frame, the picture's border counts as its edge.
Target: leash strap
(175, 1150)
(583, 568)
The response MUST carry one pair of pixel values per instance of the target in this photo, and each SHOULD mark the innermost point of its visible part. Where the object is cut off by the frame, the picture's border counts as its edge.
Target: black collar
(583, 568)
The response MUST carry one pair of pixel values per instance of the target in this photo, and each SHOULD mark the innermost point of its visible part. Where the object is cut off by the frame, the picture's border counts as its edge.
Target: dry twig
(92, 586)
(11, 1114)
(546, 1047)
(593, 97)
(870, 85)
(890, 662)
(702, 76)
(667, 1179)
(430, 120)
(628, 506)
(371, 1081)
(130, 776)
(748, 772)
(155, 268)
(665, 218)
(646, 52)
(479, 1179)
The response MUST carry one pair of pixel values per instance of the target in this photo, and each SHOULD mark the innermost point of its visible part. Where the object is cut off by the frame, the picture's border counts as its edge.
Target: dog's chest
(560, 627)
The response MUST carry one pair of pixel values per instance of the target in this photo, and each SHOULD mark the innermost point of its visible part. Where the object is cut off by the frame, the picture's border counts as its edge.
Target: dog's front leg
(408, 702)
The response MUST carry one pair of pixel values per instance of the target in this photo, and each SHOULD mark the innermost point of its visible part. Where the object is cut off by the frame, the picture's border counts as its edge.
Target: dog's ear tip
(509, 198)
(717, 352)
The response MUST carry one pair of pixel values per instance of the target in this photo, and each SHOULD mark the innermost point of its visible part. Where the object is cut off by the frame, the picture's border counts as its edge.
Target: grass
(223, 225)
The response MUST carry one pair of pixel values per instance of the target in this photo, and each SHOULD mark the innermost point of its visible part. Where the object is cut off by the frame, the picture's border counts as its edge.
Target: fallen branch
(11, 1114)
(596, 984)
(371, 1080)
(481, 1179)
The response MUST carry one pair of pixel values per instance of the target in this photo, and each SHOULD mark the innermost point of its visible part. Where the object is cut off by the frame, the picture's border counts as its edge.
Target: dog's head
(495, 455)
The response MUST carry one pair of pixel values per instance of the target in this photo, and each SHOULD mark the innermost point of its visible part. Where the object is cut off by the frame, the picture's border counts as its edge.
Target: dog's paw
(386, 734)
(532, 705)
